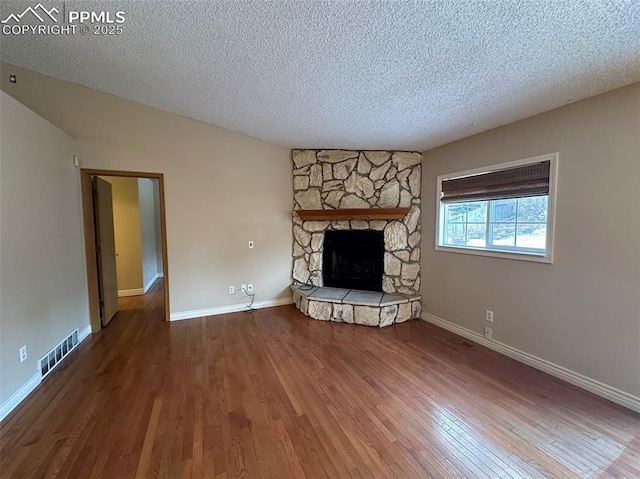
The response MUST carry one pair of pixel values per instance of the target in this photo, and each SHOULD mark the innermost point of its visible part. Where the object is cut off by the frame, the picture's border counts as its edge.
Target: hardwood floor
(275, 394)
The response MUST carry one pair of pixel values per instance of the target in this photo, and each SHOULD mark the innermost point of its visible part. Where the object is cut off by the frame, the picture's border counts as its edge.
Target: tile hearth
(368, 308)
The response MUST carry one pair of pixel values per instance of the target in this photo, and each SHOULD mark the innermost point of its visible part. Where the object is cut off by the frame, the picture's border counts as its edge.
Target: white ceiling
(346, 74)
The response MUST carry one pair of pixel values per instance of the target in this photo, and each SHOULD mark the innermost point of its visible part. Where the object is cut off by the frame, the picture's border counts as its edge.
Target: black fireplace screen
(353, 259)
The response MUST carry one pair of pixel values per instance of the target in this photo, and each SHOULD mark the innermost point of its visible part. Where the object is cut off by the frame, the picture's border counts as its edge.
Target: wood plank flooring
(275, 394)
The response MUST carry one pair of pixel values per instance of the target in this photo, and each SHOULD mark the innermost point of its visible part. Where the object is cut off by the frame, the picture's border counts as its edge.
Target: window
(504, 210)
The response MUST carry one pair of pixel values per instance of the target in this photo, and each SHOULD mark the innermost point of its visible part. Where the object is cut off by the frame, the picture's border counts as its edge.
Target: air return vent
(57, 354)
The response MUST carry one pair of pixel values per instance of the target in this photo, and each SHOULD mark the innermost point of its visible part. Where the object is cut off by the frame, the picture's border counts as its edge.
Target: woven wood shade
(519, 182)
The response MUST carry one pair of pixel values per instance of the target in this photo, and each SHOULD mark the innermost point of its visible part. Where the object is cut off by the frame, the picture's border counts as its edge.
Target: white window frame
(547, 256)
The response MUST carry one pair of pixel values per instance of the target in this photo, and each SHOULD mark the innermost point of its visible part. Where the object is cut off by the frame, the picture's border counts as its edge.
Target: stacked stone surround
(345, 179)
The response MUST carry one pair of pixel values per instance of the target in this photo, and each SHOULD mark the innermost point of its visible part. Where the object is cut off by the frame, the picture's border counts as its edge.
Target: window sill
(519, 256)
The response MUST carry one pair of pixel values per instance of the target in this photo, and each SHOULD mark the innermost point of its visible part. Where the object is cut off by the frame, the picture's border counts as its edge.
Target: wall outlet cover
(488, 333)
(23, 353)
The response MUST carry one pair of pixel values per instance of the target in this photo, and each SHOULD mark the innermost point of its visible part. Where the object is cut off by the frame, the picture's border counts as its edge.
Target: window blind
(519, 182)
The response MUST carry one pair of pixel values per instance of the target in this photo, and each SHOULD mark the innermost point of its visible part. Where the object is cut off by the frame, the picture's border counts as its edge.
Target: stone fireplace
(353, 181)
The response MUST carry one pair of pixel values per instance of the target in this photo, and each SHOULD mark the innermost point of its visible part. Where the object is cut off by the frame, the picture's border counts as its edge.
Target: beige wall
(583, 311)
(127, 232)
(222, 189)
(43, 297)
(148, 232)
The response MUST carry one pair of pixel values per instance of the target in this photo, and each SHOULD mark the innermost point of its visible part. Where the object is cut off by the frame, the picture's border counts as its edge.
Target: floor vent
(57, 354)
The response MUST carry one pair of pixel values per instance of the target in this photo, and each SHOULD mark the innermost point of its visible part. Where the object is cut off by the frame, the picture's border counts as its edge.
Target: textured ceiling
(345, 74)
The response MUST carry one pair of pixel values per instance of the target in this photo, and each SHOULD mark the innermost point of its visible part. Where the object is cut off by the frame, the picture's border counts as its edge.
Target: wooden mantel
(353, 214)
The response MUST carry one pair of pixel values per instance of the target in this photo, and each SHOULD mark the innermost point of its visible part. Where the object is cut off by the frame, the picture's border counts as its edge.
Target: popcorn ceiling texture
(376, 75)
(332, 179)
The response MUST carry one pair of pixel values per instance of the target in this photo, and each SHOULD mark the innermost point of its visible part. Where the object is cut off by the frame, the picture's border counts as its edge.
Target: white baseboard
(160, 275)
(596, 387)
(17, 397)
(84, 333)
(150, 283)
(123, 293)
(232, 308)
(23, 391)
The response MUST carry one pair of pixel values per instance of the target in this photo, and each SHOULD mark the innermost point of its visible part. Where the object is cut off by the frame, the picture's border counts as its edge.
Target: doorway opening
(125, 239)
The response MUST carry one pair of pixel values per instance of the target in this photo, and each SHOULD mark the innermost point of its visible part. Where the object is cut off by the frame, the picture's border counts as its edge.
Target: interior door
(105, 250)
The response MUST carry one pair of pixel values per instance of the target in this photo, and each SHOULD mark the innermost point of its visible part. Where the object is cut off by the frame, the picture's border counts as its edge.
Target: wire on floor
(250, 305)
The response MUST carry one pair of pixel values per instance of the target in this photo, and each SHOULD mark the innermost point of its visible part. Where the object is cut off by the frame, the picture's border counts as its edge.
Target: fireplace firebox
(353, 259)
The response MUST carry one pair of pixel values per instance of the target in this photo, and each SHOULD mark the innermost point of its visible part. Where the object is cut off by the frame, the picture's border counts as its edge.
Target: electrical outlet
(488, 333)
(23, 353)
(250, 244)
(488, 315)
(232, 289)
(243, 287)
(249, 288)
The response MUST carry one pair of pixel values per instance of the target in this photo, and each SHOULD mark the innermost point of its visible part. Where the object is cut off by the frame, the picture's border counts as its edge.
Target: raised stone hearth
(352, 306)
